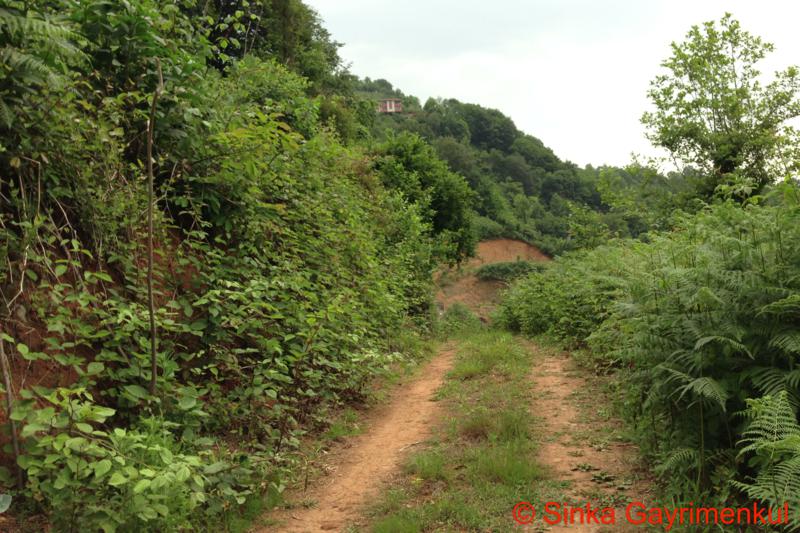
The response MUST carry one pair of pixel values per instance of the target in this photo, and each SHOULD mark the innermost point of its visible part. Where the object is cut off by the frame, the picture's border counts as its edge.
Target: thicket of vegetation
(701, 321)
(198, 259)
(508, 271)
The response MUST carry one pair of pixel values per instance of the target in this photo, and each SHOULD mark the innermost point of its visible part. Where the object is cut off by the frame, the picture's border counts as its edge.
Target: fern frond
(775, 484)
(789, 305)
(678, 458)
(29, 68)
(727, 341)
(29, 27)
(706, 388)
(773, 425)
(769, 380)
(788, 342)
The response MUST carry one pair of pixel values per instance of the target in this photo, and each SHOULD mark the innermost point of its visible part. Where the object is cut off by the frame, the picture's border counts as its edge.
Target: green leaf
(187, 402)
(161, 509)
(136, 391)
(99, 414)
(215, 468)
(166, 456)
(5, 502)
(103, 276)
(60, 270)
(94, 368)
(101, 468)
(31, 429)
(182, 474)
(141, 486)
(117, 479)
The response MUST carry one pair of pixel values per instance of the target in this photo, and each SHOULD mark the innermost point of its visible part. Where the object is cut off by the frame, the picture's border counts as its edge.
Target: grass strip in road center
(482, 459)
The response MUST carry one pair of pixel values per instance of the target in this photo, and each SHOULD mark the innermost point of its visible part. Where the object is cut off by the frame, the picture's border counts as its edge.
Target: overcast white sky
(574, 73)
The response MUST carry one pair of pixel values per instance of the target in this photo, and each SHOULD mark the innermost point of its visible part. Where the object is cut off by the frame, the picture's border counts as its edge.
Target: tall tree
(712, 110)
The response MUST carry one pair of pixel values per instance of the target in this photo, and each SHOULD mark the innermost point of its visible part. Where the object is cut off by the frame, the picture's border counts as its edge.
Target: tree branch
(150, 179)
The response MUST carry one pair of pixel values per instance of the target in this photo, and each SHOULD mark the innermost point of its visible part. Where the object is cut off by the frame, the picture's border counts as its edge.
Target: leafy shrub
(486, 228)
(408, 164)
(508, 271)
(568, 299)
(124, 478)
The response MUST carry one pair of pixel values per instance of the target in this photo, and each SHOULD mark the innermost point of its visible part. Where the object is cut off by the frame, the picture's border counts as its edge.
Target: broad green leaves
(284, 269)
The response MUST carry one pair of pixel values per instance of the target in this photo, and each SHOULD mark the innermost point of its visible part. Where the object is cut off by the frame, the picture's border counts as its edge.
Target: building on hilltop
(390, 105)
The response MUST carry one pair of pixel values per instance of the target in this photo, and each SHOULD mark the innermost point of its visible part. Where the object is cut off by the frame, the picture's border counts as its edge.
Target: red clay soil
(461, 286)
(503, 250)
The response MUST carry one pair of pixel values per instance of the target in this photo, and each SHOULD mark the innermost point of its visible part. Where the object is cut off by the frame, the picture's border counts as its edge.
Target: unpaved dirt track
(361, 469)
(577, 447)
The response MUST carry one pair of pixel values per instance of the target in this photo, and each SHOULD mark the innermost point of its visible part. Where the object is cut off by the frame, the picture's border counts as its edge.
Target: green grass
(483, 459)
(507, 464)
(399, 523)
(345, 426)
(428, 465)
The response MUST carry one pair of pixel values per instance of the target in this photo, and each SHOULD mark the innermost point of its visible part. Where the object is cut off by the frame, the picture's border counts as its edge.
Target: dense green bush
(568, 299)
(508, 271)
(285, 266)
(408, 164)
(702, 321)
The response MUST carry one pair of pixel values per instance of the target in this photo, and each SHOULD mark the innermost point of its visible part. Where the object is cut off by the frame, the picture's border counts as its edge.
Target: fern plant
(772, 443)
(34, 51)
(700, 320)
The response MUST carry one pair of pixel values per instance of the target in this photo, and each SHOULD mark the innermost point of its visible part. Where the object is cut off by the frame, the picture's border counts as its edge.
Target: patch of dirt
(479, 296)
(503, 250)
(580, 445)
(461, 286)
(360, 468)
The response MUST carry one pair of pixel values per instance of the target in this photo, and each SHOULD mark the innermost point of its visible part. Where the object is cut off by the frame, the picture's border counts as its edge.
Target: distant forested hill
(522, 188)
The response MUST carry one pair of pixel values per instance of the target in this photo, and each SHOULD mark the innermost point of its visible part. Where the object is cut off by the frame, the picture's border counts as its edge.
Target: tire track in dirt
(363, 467)
(580, 447)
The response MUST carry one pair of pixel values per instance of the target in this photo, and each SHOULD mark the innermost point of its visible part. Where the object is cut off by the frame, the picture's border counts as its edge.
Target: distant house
(390, 105)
